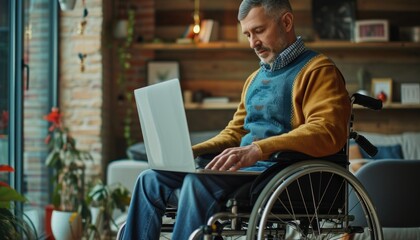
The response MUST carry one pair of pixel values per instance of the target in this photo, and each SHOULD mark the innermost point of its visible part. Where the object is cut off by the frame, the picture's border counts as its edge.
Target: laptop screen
(164, 126)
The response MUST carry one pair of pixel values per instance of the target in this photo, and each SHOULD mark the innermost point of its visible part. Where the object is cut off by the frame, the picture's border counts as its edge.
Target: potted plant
(124, 58)
(68, 164)
(11, 226)
(108, 198)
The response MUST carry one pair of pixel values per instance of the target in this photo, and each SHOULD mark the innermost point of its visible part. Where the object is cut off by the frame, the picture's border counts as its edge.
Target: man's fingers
(222, 163)
(211, 163)
(231, 160)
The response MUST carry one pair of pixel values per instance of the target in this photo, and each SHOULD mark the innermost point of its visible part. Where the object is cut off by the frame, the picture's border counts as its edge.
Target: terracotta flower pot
(48, 214)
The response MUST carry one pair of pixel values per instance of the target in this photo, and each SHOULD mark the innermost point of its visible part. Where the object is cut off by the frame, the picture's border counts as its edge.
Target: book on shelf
(209, 31)
(188, 33)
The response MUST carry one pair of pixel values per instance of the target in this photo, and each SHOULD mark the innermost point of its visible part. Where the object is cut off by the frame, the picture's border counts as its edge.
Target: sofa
(391, 149)
(404, 146)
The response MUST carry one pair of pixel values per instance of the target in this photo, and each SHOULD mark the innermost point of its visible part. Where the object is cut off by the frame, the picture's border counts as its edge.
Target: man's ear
(287, 21)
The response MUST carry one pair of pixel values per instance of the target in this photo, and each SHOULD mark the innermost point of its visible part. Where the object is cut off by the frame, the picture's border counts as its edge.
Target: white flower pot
(66, 225)
(67, 5)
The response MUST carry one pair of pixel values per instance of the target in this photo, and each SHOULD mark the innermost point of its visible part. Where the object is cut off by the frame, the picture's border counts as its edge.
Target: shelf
(234, 105)
(364, 45)
(211, 106)
(332, 45)
(191, 46)
(394, 106)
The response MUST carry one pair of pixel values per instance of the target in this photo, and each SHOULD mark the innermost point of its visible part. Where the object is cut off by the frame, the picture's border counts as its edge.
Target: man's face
(266, 35)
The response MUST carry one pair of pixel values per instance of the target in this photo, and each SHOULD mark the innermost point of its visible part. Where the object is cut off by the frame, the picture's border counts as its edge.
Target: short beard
(269, 62)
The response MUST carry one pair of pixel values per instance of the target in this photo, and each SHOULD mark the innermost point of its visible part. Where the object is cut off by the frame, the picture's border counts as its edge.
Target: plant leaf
(6, 168)
(52, 158)
(9, 194)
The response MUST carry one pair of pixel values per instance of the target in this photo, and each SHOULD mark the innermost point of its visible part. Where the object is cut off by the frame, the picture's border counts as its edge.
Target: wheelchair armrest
(292, 157)
(287, 156)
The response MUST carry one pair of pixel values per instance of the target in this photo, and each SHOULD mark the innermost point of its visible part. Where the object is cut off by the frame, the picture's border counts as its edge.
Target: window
(28, 69)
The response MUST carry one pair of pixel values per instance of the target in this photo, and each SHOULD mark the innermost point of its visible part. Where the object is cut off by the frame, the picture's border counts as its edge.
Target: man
(296, 101)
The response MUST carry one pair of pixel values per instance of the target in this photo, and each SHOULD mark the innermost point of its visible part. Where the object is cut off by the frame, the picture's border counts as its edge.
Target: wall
(81, 92)
(120, 103)
(92, 100)
(209, 68)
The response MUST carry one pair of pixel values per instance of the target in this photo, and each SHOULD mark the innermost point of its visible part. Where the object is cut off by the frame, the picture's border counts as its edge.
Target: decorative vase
(382, 96)
(67, 5)
(66, 225)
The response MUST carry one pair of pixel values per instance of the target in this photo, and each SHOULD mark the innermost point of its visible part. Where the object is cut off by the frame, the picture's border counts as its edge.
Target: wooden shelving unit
(211, 106)
(318, 45)
(220, 68)
(395, 106)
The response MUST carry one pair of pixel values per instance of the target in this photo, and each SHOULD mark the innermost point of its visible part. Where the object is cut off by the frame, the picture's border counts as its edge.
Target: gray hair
(272, 7)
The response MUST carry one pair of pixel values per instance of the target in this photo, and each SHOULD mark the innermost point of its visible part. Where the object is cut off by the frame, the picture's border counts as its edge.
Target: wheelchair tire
(309, 200)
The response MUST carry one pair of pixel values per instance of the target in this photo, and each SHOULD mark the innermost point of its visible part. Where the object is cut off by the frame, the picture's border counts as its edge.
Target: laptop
(165, 130)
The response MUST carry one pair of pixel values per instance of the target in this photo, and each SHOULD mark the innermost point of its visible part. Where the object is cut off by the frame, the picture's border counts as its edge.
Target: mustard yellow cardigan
(320, 114)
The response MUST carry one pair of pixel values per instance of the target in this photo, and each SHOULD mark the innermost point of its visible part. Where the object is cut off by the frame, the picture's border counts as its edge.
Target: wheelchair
(300, 197)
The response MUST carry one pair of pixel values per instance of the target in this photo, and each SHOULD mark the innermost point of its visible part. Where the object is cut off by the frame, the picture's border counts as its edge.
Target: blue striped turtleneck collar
(286, 56)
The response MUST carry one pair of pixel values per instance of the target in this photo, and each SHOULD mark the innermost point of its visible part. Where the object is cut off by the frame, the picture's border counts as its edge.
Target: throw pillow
(386, 152)
(137, 152)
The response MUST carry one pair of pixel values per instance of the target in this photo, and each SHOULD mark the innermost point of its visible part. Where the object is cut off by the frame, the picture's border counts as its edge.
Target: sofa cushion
(385, 152)
(411, 145)
(137, 152)
(379, 139)
(409, 141)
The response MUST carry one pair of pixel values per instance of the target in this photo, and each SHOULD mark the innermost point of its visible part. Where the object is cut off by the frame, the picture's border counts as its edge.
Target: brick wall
(91, 100)
(81, 92)
(144, 28)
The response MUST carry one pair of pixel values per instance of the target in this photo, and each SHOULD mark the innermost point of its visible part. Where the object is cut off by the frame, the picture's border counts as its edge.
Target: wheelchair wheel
(309, 200)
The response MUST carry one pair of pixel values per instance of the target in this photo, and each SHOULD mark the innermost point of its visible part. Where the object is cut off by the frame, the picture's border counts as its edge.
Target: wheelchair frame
(267, 222)
(308, 199)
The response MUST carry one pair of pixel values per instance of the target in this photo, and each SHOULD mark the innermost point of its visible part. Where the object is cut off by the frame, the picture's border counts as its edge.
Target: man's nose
(254, 42)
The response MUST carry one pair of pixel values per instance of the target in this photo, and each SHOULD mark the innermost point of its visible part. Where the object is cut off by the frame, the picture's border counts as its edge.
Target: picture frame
(384, 85)
(159, 71)
(334, 20)
(371, 31)
(410, 93)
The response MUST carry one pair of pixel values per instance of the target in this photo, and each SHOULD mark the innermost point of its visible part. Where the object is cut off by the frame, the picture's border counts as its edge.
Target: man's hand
(232, 159)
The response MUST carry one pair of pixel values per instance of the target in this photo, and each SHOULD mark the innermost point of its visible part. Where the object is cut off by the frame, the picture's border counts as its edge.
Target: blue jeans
(199, 198)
